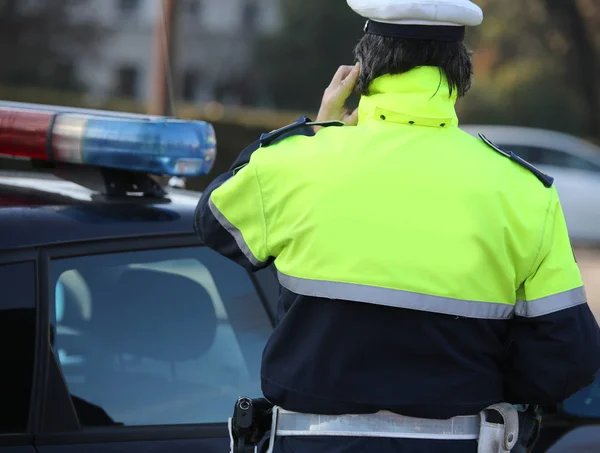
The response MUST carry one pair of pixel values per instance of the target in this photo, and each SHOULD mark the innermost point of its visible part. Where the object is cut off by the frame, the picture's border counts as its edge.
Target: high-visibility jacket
(410, 255)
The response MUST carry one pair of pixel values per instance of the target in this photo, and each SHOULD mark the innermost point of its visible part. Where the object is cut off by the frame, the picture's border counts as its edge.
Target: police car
(120, 331)
(118, 327)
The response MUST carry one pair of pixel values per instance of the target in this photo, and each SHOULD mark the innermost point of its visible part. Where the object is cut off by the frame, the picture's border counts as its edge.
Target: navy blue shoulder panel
(543, 177)
(302, 122)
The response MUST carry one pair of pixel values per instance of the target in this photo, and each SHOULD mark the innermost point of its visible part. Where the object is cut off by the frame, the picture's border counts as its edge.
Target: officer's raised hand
(333, 105)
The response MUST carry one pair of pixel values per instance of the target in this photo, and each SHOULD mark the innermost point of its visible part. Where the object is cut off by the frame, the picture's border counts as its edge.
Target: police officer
(426, 275)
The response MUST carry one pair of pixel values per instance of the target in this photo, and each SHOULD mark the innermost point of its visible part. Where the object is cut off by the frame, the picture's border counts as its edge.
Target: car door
(150, 343)
(18, 335)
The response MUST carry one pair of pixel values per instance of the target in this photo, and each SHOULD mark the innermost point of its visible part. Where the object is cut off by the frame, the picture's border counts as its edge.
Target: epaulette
(543, 177)
(268, 138)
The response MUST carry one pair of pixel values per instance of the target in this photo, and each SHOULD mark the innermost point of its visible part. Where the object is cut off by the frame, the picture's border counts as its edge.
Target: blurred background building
(213, 43)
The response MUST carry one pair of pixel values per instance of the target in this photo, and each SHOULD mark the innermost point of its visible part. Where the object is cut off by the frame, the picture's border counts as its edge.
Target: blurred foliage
(537, 62)
(41, 39)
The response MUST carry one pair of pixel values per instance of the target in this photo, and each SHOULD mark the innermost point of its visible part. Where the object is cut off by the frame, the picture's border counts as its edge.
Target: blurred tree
(317, 36)
(40, 39)
(537, 63)
(580, 56)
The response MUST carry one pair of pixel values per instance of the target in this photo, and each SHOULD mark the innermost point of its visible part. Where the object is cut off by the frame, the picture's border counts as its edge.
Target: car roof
(519, 135)
(38, 209)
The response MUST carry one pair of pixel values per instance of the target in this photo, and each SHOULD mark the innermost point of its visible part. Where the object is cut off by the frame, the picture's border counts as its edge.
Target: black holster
(529, 430)
(250, 422)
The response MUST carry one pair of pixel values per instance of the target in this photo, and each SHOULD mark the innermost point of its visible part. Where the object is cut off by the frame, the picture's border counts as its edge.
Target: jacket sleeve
(554, 346)
(230, 215)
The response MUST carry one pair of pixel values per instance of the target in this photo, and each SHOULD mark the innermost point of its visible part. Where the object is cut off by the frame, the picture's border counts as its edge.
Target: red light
(24, 132)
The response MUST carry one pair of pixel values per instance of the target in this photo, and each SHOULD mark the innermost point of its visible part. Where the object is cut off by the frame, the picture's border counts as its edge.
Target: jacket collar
(418, 97)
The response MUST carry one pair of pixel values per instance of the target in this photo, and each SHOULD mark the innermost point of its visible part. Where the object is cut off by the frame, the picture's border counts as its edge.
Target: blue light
(158, 146)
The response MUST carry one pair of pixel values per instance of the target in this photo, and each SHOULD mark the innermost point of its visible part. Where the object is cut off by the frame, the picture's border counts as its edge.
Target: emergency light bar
(155, 145)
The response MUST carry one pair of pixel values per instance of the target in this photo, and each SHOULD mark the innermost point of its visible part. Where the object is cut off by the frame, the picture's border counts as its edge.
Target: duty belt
(381, 424)
(252, 418)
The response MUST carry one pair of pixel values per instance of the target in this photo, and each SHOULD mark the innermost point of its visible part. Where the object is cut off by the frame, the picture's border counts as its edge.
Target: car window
(546, 156)
(157, 337)
(530, 154)
(563, 159)
(17, 328)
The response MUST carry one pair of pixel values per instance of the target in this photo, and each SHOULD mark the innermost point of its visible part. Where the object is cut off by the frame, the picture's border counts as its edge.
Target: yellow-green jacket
(407, 225)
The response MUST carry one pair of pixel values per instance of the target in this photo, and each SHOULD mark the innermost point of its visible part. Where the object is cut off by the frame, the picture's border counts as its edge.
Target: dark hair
(379, 55)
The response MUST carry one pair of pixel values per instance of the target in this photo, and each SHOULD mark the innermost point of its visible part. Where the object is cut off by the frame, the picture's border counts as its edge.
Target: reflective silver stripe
(551, 304)
(381, 424)
(396, 298)
(236, 233)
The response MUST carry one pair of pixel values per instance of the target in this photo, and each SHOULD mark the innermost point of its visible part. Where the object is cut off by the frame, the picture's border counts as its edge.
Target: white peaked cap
(462, 13)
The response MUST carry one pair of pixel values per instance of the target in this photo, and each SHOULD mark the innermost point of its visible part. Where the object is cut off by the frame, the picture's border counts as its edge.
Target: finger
(349, 83)
(351, 77)
(341, 74)
(354, 71)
